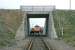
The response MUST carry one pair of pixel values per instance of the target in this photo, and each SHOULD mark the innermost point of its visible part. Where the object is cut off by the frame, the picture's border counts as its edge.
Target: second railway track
(38, 44)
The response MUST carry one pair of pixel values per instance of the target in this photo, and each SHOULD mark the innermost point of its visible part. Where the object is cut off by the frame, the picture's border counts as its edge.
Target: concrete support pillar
(44, 29)
(20, 34)
(25, 25)
(51, 29)
(22, 31)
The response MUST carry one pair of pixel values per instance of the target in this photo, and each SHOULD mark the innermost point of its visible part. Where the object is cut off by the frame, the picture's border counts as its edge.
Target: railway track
(38, 44)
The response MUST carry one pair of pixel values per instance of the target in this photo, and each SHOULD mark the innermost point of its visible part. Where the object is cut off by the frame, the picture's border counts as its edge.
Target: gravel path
(59, 45)
(20, 45)
(38, 44)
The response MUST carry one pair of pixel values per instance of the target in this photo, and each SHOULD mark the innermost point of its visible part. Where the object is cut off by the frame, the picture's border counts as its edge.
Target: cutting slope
(65, 25)
(9, 23)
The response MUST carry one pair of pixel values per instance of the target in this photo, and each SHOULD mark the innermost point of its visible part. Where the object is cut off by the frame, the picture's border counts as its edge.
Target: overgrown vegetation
(65, 25)
(6, 36)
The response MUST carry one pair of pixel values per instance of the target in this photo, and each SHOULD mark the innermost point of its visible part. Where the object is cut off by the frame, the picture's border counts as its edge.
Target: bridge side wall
(51, 28)
(21, 32)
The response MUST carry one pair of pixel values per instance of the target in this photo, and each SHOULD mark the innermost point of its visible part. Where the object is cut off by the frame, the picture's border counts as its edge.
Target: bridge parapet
(37, 8)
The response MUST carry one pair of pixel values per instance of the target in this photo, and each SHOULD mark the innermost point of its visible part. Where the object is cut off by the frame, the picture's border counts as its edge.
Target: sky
(37, 21)
(15, 4)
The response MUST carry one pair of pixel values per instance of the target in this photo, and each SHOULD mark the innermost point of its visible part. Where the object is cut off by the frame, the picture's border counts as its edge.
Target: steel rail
(45, 44)
(30, 46)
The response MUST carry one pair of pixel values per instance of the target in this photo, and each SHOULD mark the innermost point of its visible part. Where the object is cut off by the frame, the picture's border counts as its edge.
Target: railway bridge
(37, 12)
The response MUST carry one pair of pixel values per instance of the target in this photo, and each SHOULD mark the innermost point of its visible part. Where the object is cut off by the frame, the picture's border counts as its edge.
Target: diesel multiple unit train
(37, 30)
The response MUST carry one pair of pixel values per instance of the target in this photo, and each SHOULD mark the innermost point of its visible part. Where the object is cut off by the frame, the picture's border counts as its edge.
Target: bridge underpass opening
(37, 24)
